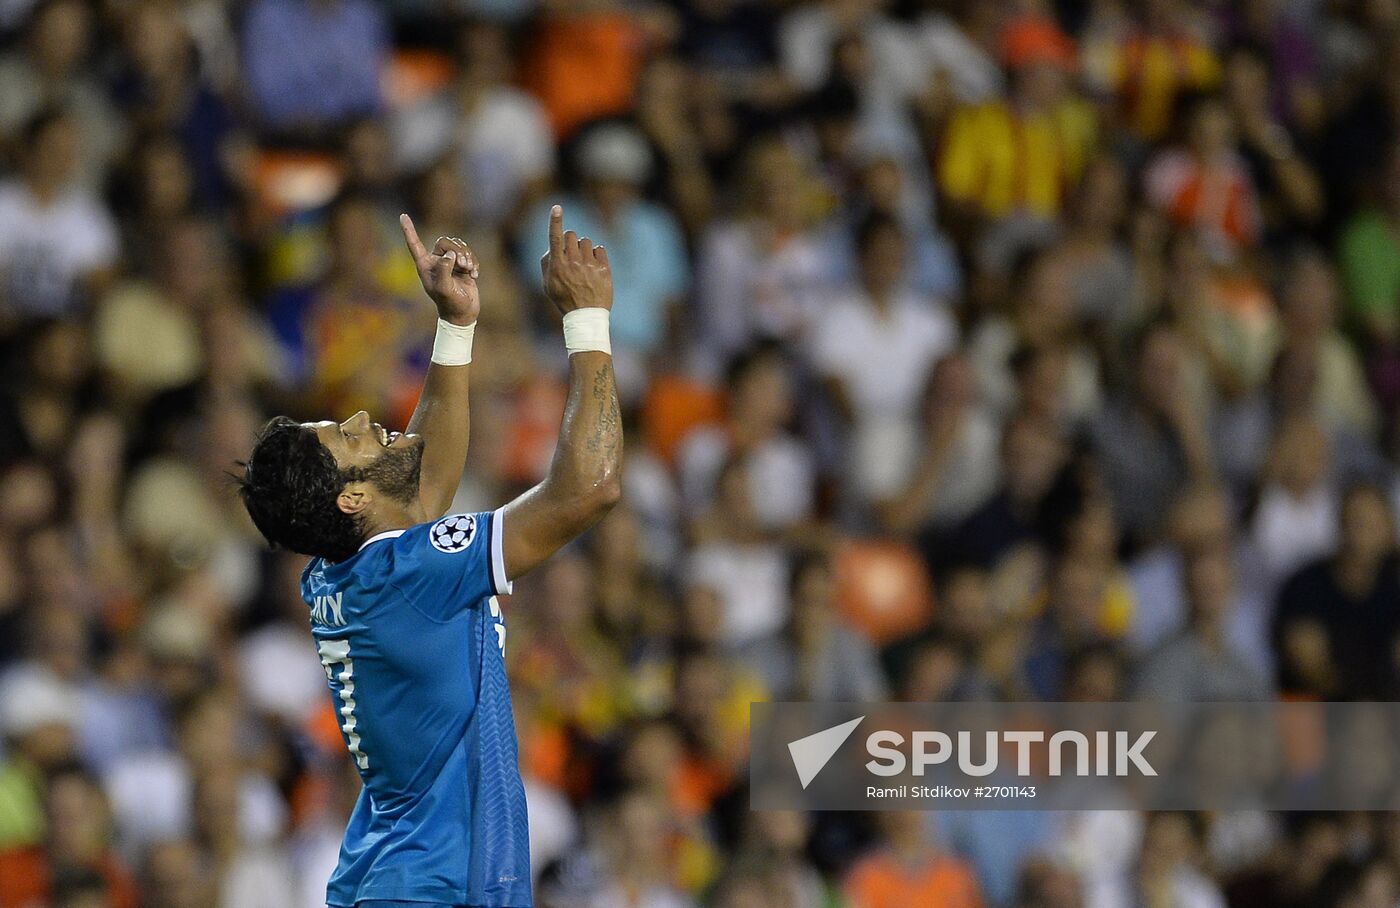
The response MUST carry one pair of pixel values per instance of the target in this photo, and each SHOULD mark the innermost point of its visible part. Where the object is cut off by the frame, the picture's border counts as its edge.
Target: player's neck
(392, 515)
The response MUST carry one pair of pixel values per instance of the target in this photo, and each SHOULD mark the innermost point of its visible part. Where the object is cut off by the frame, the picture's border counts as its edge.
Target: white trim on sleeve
(498, 552)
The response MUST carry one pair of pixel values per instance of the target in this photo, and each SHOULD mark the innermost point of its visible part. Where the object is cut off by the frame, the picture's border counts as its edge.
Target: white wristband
(453, 344)
(587, 329)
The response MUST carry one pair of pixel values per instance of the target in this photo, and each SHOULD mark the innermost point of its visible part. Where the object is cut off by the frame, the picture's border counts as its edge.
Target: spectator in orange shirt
(910, 869)
(585, 59)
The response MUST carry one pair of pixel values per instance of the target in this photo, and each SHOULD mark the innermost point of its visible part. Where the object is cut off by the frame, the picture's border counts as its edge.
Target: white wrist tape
(587, 329)
(453, 344)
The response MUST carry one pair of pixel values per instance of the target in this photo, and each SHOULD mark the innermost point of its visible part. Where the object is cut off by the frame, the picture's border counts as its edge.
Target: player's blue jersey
(412, 638)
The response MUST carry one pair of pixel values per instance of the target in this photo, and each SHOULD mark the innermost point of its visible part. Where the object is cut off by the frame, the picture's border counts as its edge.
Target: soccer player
(402, 600)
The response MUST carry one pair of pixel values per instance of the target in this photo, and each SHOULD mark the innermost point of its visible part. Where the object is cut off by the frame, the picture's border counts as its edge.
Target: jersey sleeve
(453, 564)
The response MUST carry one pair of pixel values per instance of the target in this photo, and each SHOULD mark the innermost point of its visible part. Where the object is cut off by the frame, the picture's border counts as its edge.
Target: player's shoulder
(452, 534)
(449, 549)
(452, 539)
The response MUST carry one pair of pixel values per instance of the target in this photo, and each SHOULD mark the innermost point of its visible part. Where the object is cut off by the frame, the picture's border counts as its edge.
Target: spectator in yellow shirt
(1022, 155)
(1147, 66)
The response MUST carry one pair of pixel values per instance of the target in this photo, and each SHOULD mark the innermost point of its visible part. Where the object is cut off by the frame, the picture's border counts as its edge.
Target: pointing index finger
(415, 245)
(556, 230)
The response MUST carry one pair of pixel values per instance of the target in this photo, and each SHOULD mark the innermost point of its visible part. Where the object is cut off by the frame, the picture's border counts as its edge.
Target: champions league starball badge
(453, 534)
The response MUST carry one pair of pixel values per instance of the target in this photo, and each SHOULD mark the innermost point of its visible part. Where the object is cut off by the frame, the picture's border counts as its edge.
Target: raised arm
(442, 416)
(584, 479)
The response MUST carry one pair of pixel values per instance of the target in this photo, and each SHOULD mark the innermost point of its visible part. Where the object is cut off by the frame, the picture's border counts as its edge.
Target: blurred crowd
(969, 350)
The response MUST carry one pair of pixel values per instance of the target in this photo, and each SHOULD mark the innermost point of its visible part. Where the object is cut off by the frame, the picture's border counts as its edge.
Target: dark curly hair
(289, 486)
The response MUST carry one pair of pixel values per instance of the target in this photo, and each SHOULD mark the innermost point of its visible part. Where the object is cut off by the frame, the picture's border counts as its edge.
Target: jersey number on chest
(340, 668)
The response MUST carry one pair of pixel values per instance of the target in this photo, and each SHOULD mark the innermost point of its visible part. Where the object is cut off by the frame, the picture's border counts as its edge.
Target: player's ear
(354, 498)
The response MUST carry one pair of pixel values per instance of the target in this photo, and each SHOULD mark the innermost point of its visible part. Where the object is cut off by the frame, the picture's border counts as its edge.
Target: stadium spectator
(495, 134)
(1147, 62)
(957, 470)
(165, 92)
(1168, 868)
(1206, 186)
(759, 410)
(1107, 287)
(1333, 630)
(741, 560)
(876, 344)
(642, 855)
(758, 274)
(1201, 663)
(817, 44)
(821, 657)
(1039, 310)
(644, 243)
(1308, 305)
(1032, 455)
(957, 38)
(584, 63)
(1078, 618)
(77, 855)
(1290, 191)
(52, 68)
(57, 239)
(1152, 440)
(887, 185)
(776, 843)
(1020, 156)
(350, 335)
(999, 844)
(337, 46)
(1367, 259)
(910, 870)
(1295, 519)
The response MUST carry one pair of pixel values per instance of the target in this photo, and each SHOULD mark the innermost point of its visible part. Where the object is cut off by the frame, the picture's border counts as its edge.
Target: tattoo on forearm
(607, 427)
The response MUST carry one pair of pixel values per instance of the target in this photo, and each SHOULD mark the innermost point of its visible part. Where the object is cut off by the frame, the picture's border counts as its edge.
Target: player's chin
(407, 440)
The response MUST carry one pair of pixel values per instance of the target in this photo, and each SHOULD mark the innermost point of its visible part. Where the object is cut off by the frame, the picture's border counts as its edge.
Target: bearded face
(395, 473)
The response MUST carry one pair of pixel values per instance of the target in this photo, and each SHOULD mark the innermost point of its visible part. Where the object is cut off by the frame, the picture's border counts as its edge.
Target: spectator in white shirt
(1296, 519)
(876, 346)
(758, 275)
(58, 243)
(744, 565)
(959, 454)
(778, 467)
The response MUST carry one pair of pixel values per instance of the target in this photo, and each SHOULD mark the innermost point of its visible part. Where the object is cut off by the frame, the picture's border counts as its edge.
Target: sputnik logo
(813, 752)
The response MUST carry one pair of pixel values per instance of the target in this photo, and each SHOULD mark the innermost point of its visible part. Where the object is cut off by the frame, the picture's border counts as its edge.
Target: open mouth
(386, 437)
